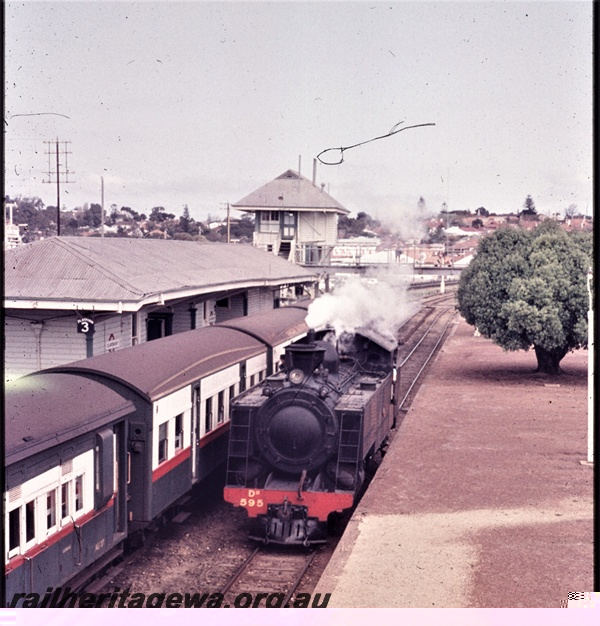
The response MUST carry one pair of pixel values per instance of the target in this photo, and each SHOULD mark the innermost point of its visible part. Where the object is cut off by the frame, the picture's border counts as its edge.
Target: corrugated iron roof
(290, 191)
(172, 362)
(115, 269)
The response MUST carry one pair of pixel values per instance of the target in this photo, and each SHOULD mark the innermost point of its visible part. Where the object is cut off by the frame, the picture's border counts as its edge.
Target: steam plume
(378, 302)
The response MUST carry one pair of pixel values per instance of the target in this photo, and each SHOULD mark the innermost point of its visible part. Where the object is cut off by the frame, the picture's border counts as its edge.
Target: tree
(529, 288)
(361, 226)
(185, 220)
(243, 228)
(529, 207)
(159, 214)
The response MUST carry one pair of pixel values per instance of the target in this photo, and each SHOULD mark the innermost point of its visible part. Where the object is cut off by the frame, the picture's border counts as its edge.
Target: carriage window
(252, 380)
(14, 529)
(231, 393)
(242, 376)
(30, 521)
(50, 509)
(221, 414)
(162, 442)
(64, 500)
(79, 493)
(179, 431)
(208, 415)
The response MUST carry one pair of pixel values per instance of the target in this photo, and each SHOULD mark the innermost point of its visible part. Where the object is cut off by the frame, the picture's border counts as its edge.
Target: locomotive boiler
(299, 441)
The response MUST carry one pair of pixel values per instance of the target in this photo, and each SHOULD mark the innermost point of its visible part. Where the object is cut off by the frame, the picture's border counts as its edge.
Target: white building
(295, 219)
(12, 233)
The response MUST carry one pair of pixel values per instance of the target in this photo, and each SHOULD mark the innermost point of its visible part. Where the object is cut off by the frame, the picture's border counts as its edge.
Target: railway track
(420, 340)
(268, 577)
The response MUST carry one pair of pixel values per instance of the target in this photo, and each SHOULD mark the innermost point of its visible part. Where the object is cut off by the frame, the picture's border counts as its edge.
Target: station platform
(482, 499)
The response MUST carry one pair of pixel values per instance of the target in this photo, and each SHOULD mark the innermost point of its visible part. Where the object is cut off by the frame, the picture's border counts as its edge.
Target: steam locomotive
(299, 441)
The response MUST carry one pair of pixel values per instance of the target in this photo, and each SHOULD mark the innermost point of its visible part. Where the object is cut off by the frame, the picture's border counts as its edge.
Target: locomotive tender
(98, 449)
(299, 440)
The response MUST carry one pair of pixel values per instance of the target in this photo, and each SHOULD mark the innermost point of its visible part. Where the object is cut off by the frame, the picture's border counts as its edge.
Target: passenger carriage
(161, 407)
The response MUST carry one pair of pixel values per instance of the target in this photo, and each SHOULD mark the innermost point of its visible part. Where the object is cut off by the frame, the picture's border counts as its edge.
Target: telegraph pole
(228, 225)
(102, 206)
(57, 175)
(228, 221)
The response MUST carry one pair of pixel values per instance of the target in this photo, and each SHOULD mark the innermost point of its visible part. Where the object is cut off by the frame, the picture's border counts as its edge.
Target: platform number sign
(85, 325)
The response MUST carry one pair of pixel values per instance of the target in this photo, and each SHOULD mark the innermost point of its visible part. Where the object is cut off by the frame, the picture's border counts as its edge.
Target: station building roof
(290, 192)
(114, 273)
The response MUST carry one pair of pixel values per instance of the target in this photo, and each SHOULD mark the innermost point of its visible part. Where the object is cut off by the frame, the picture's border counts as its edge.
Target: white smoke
(378, 302)
(408, 221)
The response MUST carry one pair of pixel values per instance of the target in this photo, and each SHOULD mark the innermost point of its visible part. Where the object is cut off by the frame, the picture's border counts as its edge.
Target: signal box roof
(290, 191)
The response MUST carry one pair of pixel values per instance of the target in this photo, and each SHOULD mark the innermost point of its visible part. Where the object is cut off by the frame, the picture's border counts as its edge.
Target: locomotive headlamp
(296, 377)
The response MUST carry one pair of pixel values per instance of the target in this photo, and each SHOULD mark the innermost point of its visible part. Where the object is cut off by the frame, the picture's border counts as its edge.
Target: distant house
(67, 298)
(12, 232)
(355, 251)
(295, 219)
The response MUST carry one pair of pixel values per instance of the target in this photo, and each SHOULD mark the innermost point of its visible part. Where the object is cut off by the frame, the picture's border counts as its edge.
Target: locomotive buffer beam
(288, 524)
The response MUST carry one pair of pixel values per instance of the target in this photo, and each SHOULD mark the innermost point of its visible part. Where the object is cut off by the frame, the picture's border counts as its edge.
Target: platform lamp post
(590, 317)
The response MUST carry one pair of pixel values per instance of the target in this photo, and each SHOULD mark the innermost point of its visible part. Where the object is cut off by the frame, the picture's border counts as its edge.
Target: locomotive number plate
(253, 499)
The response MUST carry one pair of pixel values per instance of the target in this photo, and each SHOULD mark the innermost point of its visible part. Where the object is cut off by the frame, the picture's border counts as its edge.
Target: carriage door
(195, 434)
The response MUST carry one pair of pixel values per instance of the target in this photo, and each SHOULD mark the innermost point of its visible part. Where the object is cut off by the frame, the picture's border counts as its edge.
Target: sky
(200, 103)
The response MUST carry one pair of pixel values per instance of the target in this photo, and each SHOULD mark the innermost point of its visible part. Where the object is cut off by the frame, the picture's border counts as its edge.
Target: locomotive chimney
(304, 356)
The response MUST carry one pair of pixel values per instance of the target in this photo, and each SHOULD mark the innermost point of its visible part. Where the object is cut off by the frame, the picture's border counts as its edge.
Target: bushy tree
(360, 226)
(528, 289)
(243, 228)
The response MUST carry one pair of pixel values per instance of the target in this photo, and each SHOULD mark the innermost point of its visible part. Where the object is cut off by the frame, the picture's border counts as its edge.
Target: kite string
(393, 131)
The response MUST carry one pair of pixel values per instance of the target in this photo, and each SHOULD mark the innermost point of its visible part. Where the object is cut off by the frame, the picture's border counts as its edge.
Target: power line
(58, 175)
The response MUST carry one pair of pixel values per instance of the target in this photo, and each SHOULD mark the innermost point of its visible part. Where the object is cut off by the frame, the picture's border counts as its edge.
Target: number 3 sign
(85, 325)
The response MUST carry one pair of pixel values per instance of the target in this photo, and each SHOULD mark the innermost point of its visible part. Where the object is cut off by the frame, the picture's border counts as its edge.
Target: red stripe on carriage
(66, 530)
(319, 504)
(213, 434)
(166, 466)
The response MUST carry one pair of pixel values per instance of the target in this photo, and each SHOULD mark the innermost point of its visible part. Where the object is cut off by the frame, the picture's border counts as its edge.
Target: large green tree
(528, 289)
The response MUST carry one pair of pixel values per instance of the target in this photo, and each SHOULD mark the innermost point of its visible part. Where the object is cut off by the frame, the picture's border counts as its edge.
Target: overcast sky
(201, 103)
